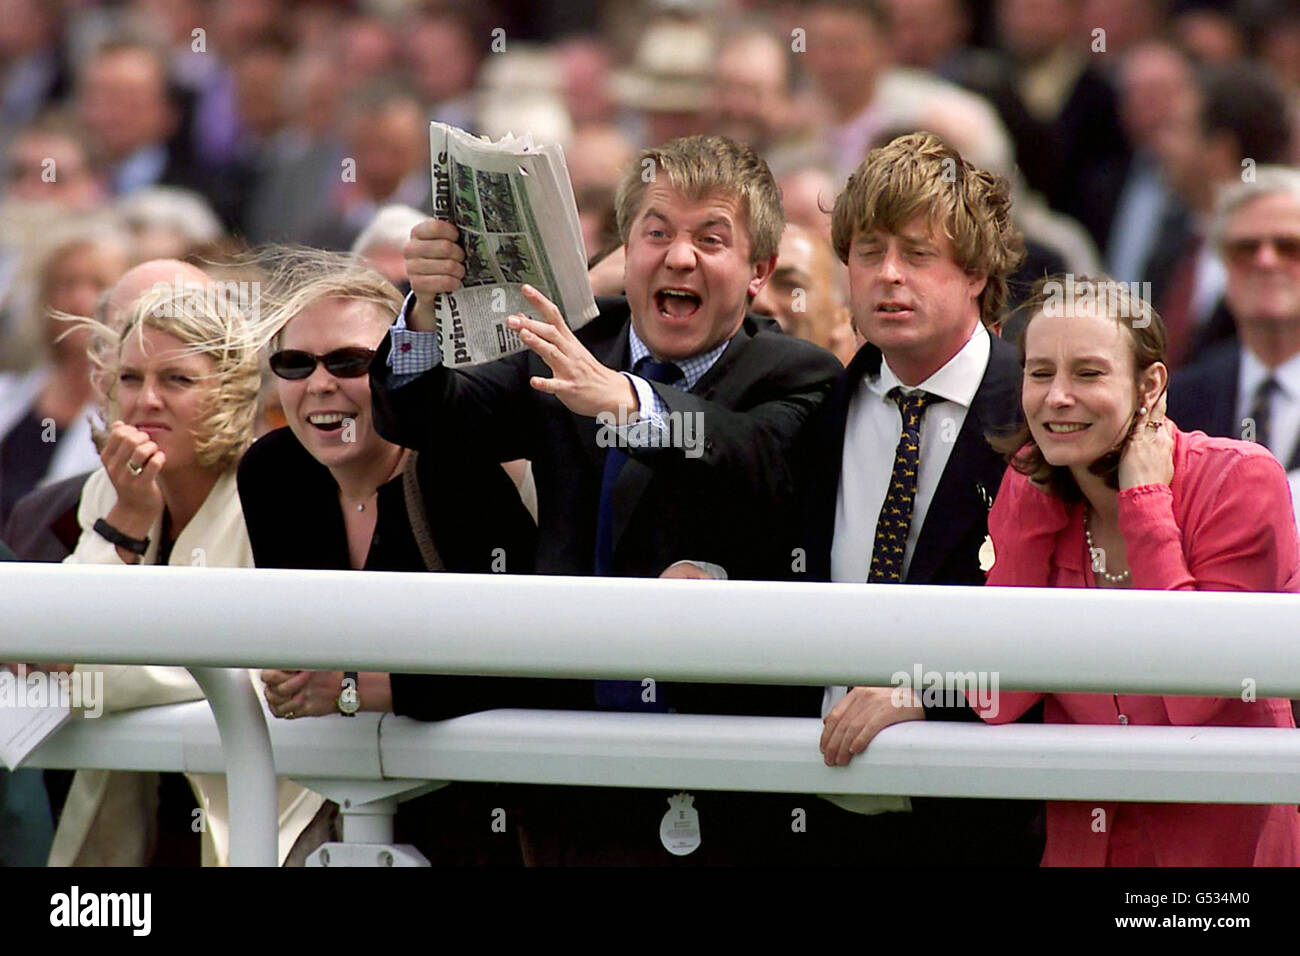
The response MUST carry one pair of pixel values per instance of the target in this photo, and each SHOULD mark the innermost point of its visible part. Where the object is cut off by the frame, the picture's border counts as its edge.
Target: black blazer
(966, 832)
(734, 505)
(292, 513)
(1203, 397)
(947, 551)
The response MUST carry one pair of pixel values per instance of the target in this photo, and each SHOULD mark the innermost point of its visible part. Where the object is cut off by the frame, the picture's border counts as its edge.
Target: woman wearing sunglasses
(327, 492)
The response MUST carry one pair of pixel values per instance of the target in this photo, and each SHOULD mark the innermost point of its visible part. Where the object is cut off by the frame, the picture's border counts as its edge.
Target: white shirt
(1284, 403)
(871, 434)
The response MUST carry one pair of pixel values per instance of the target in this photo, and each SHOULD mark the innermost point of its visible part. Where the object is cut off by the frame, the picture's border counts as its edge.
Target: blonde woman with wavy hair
(180, 379)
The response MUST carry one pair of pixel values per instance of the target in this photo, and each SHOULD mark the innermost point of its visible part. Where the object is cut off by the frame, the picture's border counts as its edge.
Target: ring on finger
(1155, 426)
(133, 468)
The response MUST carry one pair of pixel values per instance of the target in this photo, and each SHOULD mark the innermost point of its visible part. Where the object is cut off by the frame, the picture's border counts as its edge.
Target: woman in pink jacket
(1104, 491)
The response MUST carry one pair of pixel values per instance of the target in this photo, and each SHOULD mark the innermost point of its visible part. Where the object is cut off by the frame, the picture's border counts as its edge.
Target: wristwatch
(349, 701)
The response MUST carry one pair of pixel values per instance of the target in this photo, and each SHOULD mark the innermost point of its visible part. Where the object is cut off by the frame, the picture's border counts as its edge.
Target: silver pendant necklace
(401, 456)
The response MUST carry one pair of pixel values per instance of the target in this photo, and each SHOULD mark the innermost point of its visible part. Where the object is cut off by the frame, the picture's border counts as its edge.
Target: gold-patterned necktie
(896, 513)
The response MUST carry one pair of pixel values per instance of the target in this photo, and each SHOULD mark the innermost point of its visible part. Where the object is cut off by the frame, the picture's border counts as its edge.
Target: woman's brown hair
(1068, 293)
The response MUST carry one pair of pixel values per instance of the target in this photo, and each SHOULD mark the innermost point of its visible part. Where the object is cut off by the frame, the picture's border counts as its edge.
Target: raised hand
(435, 263)
(133, 462)
(1148, 456)
(585, 386)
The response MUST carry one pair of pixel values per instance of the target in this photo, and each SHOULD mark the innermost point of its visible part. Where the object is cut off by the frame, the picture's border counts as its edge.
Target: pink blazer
(1224, 524)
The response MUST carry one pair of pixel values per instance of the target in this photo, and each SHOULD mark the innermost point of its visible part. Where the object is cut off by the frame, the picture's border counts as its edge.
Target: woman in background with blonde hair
(44, 410)
(181, 381)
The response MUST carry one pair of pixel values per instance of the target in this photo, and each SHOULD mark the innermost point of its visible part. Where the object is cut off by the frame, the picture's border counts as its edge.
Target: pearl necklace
(1092, 549)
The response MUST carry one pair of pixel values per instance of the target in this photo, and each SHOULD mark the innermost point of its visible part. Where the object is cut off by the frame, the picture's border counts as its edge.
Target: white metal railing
(1039, 639)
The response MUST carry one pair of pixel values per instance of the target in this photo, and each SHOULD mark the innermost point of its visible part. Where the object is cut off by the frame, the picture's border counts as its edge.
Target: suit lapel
(1225, 399)
(714, 385)
(970, 478)
(611, 350)
(823, 484)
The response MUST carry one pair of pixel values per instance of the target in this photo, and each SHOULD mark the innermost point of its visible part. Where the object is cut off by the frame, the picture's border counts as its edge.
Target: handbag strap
(416, 514)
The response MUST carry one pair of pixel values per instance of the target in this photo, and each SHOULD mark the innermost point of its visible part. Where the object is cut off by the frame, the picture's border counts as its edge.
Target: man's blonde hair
(919, 174)
(700, 166)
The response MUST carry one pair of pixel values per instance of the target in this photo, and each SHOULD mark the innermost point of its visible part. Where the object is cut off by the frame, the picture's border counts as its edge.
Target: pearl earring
(1142, 410)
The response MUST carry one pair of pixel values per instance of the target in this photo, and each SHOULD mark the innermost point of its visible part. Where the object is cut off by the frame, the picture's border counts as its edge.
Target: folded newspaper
(513, 204)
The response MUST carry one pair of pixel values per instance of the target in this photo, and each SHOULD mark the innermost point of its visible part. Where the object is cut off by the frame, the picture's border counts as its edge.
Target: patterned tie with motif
(896, 513)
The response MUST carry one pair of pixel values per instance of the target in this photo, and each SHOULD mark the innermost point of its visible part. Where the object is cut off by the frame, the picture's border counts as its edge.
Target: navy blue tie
(623, 694)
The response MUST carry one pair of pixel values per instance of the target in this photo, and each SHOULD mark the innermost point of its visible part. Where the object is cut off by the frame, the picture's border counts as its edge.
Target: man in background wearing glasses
(1251, 389)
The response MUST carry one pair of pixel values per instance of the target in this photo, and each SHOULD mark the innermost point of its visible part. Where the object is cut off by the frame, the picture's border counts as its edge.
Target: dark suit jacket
(947, 551)
(731, 505)
(43, 525)
(971, 832)
(294, 520)
(1203, 397)
(1176, 241)
(734, 505)
(292, 513)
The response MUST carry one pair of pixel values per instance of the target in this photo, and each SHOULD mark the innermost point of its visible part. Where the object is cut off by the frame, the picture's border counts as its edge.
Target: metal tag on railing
(680, 828)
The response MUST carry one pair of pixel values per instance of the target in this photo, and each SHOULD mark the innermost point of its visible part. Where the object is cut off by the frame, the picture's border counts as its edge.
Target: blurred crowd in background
(193, 129)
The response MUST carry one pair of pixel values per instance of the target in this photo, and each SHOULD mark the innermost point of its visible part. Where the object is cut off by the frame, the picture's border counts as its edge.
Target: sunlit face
(74, 284)
(910, 297)
(123, 102)
(163, 389)
(1261, 248)
(1079, 392)
(331, 416)
(749, 91)
(845, 51)
(689, 274)
(801, 295)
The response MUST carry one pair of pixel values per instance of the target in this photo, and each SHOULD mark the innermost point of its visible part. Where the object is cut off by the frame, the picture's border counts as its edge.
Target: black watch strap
(113, 536)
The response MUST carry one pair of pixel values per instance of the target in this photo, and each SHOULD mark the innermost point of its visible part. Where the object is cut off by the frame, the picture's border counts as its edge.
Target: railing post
(250, 765)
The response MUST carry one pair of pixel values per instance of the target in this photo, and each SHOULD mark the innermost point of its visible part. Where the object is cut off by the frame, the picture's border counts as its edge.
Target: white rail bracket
(366, 855)
(366, 807)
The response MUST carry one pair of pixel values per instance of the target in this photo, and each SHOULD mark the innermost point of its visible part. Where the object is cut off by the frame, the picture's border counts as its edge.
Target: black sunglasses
(295, 364)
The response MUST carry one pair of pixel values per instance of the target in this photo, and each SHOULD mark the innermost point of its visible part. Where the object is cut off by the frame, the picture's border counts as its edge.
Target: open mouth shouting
(677, 304)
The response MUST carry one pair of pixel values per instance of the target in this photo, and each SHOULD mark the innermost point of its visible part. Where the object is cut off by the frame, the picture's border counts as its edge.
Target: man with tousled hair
(701, 218)
(903, 475)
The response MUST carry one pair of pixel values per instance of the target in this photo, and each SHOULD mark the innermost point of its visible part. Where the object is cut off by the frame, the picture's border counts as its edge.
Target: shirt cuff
(648, 428)
(1145, 507)
(412, 353)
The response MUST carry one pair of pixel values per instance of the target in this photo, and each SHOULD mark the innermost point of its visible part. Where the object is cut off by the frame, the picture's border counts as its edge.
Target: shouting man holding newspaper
(625, 486)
